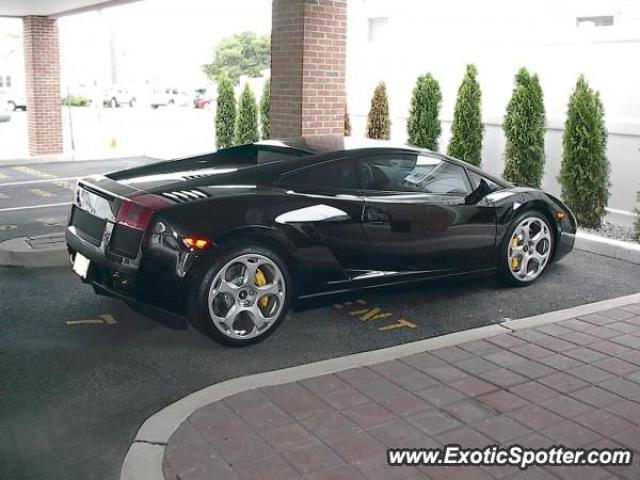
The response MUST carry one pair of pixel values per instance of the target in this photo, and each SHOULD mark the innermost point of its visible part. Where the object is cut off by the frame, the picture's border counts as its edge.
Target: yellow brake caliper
(514, 261)
(261, 281)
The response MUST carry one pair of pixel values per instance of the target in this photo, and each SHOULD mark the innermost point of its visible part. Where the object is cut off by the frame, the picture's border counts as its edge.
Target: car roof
(321, 144)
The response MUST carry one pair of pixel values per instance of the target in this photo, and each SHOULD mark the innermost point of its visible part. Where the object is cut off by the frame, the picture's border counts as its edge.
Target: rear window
(255, 154)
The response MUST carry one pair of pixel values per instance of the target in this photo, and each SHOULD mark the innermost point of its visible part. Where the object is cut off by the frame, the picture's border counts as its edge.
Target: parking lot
(85, 370)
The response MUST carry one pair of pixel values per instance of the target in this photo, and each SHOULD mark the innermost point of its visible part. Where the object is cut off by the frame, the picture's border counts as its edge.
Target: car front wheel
(527, 249)
(244, 296)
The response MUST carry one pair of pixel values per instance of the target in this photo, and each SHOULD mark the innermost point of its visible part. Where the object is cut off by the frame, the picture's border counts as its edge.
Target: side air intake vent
(182, 196)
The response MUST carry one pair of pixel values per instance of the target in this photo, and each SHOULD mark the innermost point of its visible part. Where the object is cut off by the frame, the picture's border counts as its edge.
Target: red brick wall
(308, 54)
(42, 64)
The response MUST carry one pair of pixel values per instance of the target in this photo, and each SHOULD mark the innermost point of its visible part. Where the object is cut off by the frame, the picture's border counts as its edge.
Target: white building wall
(410, 37)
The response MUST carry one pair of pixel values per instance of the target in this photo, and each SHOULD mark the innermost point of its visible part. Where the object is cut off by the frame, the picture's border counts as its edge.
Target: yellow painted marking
(42, 193)
(108, 319)
(84, 322)
(361, 302)
(358, 312)
(104, 319)
(33, 172)
(402, 323)
(370, 313)
(5, 228)
(64, 184)
(347, 303)
(338, 306)
(4, 196)
(380, 316)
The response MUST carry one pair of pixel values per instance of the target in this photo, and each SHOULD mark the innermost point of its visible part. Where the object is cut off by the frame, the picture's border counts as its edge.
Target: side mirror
(479, 193)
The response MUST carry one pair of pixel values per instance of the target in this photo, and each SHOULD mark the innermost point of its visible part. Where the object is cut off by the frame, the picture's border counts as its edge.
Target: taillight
(137, 213)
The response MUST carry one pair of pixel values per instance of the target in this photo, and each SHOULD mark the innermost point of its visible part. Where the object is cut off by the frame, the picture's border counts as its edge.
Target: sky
(162, 41)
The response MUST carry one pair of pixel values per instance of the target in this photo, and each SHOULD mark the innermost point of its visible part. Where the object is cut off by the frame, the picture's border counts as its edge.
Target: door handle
(377, 217)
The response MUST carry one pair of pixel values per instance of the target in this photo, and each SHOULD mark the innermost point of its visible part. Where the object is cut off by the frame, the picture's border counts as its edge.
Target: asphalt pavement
(35, 199)
(80, 373)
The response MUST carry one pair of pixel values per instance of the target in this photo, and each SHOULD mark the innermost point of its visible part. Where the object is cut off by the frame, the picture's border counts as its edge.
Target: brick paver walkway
(575, 382)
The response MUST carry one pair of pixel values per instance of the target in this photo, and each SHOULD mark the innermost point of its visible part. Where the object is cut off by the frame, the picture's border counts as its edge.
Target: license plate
(81, 265)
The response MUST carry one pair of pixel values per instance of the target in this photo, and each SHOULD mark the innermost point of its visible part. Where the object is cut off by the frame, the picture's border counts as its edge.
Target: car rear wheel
(244, 296)
(113, 103)
(527, 249)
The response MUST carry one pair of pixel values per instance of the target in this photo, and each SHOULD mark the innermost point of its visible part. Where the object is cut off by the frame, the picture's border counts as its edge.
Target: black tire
(12, 106)
(504, 268)
(199, 315)
(113, 103)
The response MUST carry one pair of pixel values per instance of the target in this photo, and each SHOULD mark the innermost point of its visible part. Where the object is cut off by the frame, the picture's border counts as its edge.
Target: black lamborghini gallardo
(231, 238)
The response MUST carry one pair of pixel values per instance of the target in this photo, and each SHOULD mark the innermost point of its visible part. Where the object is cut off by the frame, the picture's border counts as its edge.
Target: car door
(418, 218)
(327, 206)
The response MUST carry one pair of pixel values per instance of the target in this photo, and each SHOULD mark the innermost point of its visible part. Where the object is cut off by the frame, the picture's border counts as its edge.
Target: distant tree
(347, 122)
(524, 129)
(225, 112)
(466, 129)
(378, 121)
(265, 110)
(247, 123)
(424, 124)
(584, 173)
(240, 54)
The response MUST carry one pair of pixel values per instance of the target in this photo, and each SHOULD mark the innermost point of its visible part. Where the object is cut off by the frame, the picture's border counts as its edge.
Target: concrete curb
(144, 457)
(627, 251)
(34, 252)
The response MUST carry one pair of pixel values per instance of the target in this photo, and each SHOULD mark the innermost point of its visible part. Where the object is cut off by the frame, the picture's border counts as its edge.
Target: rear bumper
(154, 284)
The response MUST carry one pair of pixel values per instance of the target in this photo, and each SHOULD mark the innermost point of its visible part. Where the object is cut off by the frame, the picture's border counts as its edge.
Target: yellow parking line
(104, 319)
(33, 172)
(42, 193)
(64, 184)
(361, 302)
(108, 319)
(6, 228)
(402, 323)
(370, 313)
(357, 313)
(84, 322)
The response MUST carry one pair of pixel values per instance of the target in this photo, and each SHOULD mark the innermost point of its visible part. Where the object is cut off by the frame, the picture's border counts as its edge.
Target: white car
(117, 96)
(171, 97)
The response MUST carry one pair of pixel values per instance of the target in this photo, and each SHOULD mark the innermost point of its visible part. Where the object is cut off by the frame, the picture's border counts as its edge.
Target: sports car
(230, 239)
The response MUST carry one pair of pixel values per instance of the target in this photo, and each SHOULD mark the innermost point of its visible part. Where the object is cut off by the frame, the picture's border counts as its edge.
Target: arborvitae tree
(584, 173)
(466, 129)
(247, 125)
(225, 113)
(524, 129)
(265, 110)
(347, 122)
(378, 121)
(424, 125)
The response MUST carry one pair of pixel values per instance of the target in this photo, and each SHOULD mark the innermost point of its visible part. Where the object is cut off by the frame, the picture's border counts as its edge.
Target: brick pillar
(308, 54)
(42, 64)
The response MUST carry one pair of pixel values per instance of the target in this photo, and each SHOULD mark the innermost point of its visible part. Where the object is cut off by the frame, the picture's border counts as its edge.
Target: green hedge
(467, 127)
(247, 124)
(584, 174)
(225, 113)
(265, 110)
(524, 129)
(423, 125)
(378, 121)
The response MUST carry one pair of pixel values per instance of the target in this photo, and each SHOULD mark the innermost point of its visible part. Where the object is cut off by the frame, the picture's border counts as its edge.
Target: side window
(414, 174)
(332, 175)
(475, 181)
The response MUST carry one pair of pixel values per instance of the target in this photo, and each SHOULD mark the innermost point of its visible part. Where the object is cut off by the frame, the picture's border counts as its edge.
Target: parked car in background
(232, 238)
(14, 101)
(116, 96)
(197, 93)
(208, 99)
(170, 97)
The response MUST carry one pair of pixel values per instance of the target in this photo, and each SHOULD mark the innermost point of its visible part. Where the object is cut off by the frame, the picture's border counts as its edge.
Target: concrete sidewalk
(575, 382)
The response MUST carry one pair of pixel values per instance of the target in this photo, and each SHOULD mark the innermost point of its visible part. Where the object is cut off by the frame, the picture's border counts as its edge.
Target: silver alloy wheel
(529, 249)
(246, 296)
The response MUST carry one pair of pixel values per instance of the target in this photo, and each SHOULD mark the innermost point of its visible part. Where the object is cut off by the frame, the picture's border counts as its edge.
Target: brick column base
(42, 64)
(308, 56)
